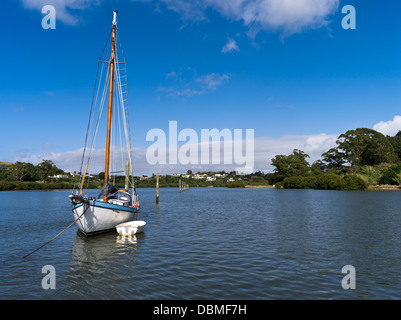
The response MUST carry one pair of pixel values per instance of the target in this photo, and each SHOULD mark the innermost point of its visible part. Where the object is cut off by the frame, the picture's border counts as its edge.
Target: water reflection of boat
(132, 238)
(99, 250)
(101, 263)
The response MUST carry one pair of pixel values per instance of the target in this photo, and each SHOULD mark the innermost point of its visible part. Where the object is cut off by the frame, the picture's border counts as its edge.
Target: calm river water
(208, 243)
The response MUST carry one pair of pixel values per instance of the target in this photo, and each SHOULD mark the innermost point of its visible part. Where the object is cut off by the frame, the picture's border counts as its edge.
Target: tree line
(26, 176)
(25, 171)
(361, 157)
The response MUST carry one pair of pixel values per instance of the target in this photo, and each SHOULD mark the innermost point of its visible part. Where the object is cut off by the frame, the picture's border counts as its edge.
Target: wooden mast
(113, 45)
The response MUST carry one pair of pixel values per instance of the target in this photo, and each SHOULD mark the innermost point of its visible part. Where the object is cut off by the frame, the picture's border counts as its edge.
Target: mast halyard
(109, 116)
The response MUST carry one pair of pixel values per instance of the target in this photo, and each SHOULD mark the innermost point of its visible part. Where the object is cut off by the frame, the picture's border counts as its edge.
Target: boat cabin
(121, 197)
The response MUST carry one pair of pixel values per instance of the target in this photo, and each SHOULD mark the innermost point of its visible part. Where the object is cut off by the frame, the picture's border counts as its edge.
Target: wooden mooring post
(182, 186)
(157, 188)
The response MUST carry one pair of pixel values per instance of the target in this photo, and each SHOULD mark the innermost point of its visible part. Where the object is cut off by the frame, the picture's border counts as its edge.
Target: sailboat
(114, 205)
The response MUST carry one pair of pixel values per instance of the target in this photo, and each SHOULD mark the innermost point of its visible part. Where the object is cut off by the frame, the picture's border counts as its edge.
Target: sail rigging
(111, 86)
(115, 205)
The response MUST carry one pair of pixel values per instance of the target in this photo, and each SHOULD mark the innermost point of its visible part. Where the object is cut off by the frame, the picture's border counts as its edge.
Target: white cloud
(64, 8)
(231, 45)
(286, 16)
(313, 145)
(213, 80)
(70, 161)
(390, 127)
(187, 93)
(171, 74)
(67, 160)
(265, 149)
(193, 86)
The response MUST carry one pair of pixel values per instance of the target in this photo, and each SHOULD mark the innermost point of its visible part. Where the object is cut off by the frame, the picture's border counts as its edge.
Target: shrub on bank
(32, 185)
(390, 175)
(236, 184)
(353, 182)
(371, 174)
(7, 185)
(328, 181)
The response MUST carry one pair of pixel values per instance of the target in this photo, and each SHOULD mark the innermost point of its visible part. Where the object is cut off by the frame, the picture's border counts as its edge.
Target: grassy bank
(293, 183)
(36, 185)
(151, 183)
(368, 178)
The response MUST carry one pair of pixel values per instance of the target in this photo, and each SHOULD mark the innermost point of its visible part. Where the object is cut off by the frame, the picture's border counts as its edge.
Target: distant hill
(5, 164)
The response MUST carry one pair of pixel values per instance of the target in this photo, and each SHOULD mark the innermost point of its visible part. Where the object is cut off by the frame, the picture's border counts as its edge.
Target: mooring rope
(59, 233)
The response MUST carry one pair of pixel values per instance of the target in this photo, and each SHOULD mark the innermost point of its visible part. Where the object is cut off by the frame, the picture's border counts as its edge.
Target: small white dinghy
(131, 227)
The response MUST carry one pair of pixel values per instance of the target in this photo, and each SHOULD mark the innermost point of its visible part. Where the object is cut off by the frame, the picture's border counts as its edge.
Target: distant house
(144, 178)
(211, 179)
(58, 176)
(185, 175)
(73, 174)
(220, 175)
(199, 176)
(230, 180)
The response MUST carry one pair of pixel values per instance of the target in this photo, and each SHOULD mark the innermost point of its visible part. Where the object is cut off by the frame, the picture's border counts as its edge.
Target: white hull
(98, 219)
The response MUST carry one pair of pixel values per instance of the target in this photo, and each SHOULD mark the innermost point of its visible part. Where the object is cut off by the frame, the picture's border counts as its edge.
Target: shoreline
(384, 187)
(248, 186)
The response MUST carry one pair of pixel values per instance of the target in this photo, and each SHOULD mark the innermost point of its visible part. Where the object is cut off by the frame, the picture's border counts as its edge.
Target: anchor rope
(59, 233)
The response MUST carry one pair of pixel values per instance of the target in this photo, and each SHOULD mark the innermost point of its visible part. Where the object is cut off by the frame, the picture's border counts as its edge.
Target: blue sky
(206, 64)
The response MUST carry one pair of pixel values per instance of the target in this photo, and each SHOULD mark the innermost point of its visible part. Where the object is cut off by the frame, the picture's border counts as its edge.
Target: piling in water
(157, 188)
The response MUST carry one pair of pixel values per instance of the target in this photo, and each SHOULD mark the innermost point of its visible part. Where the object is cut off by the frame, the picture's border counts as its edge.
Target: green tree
(396, 143)
(45, 169)
(318, 167)
(364, 146)
(23, 171)
(5, 175)
(360, 147)
(334, 159)
(101, 175)
(294, 164)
